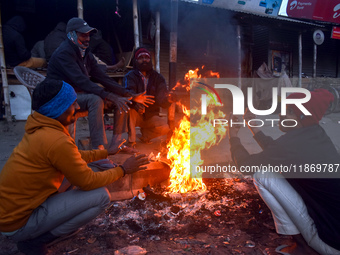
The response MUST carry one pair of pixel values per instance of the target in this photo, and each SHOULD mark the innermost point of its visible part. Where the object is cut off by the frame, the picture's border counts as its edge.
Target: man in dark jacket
(54, 39)
(16, 52)
(143, 79)
(304, 199)
(75, 64)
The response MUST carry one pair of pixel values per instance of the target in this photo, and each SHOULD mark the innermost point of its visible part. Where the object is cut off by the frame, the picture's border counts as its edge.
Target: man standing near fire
(303, 205)
(33, 211)
(74, 63)
(143, 79)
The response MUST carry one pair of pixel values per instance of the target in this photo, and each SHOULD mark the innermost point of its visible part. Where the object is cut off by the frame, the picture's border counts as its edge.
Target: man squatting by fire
(306, 207)
(33, 209)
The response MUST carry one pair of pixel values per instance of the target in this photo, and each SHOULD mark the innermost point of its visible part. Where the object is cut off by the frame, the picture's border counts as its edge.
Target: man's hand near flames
(143, 99)
(135, 163)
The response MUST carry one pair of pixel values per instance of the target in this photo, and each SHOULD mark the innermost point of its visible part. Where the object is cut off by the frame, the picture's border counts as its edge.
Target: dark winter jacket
(14, 43)
(133, 82)
(68, 65)
(309, 145)
(101, 49)
(54, 39)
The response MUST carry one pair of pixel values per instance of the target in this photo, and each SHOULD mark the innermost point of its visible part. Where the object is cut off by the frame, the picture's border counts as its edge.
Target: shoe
(36, 246)
(143, 139)
(62, 238)
(279, 248)
(128, 150)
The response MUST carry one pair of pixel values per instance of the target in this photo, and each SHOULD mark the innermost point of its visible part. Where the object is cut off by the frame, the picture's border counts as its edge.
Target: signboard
(322, 10)
(266, 7)
(336, 33)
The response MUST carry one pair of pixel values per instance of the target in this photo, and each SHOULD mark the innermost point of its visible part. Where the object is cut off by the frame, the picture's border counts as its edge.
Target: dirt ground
(228, 218)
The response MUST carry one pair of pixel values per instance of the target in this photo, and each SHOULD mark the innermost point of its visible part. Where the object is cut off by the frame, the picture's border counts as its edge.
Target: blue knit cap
(60, 103)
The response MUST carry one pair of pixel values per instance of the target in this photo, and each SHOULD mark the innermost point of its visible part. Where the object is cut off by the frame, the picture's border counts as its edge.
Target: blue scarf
(74, 38)
(60, 103)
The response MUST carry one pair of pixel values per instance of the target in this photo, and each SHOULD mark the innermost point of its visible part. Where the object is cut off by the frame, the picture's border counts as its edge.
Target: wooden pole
(315, 59)
(4, 76)
(135, 23)
(157, 41)
(300, 61)
(80, 9)
(173, 59)
(239, 47)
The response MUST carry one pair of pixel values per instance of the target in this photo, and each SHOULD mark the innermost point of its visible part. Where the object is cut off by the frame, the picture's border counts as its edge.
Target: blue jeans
(289, 210)
(95, 106)
(64, 213)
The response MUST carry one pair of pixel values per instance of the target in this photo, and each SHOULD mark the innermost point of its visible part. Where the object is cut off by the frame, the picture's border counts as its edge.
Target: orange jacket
(37, 166)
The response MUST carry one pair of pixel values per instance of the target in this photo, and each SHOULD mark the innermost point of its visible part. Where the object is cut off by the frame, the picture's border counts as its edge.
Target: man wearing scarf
(74, 63)
(33, 210)
(304, 204)
(144, 79)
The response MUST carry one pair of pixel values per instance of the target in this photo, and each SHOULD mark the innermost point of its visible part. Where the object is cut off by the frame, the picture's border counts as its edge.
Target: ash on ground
(228, 218)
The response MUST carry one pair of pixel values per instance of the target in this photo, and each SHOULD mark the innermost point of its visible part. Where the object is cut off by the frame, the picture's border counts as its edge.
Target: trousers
(289, 210)
(95, 107)
(127, 122)
(64, 213)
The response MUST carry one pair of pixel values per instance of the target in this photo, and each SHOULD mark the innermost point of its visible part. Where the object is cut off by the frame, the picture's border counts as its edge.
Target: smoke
(203, 33)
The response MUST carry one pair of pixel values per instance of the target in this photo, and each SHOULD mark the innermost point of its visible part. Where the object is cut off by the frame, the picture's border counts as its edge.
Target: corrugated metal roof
(258, 14)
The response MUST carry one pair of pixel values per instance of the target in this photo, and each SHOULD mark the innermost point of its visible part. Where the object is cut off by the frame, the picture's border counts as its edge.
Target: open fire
(190, 138)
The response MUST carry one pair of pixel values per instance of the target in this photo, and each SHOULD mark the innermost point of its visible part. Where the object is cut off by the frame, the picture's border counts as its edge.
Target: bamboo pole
(315, 59)
(173, 59)
(300, 61)
(239, 62)
(4, 76)
(157, 41)
(80, 9)
(135, 23)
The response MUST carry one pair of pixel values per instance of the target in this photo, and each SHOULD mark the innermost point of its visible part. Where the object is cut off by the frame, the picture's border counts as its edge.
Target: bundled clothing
(54, 39)
(135, 82)
(42, 159)
(67, 64)
(308, 145)
(101, 49)
(14, 42)
(147, 118)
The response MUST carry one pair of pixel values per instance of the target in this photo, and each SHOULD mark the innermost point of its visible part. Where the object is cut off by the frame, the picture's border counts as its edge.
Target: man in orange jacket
(32, 211)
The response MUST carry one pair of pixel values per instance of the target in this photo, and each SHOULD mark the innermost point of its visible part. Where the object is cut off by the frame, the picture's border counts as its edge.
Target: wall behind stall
(41, 16)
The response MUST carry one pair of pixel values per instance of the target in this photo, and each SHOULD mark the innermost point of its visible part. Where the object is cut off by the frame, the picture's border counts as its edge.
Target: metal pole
(239, 69)
(157, 41)
(135, 23)
(80, 9)
(314, 59)
(4, 77)
(300, 61)
(173, 58)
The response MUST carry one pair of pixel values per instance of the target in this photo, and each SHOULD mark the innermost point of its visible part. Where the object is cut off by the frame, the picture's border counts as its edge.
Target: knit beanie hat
(317, 106)
(142, 52)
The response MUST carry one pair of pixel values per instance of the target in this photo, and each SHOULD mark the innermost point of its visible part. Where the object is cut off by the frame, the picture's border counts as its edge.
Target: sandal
(128, 150)
(143, 139)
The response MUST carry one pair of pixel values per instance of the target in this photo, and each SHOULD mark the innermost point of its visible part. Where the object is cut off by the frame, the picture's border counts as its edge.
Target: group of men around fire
(34, 211)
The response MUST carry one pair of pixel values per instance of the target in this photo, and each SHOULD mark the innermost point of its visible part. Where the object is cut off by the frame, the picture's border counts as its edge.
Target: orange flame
(203, 135)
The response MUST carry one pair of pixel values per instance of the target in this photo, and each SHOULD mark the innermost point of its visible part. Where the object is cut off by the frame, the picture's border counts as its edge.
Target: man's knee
(104, 196)
(263, 178)
(96, 101)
